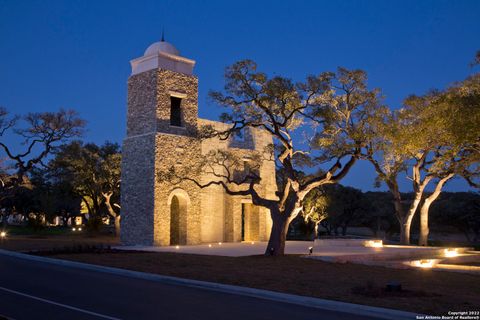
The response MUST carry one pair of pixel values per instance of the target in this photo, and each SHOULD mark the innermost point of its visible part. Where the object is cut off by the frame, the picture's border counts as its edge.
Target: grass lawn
(425, 291)
(42, 241)
(26, 230)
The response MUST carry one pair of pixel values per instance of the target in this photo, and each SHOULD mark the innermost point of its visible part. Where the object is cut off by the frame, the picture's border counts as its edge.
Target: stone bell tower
(161, 132)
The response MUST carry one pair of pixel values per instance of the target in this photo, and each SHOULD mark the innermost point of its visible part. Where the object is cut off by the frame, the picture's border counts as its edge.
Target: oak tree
(317, 123)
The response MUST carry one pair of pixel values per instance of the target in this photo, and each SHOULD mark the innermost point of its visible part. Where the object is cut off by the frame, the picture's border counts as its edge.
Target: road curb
(356, 309)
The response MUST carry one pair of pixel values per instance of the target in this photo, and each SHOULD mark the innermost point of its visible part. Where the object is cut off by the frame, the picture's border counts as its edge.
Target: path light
(209, 245)
(3, 234)
(79, 229)
(74, 229)
(253, 242)
(373, 244)
(424, 263)
(219, 243)
(451, 252)
(177, 247)
(310, 250)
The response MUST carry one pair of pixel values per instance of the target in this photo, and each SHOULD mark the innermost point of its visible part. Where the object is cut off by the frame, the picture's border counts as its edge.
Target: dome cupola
(162, 55)
(161, 46)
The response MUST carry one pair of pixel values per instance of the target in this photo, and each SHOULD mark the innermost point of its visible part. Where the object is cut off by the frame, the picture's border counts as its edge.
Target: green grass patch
(45, 231)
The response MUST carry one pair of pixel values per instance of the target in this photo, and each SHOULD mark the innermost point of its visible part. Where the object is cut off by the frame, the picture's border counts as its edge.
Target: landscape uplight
(74, 229)
(451, 252)
(79, 229)
(424, 263)
(177, 247)
(253, 242)
(209, 245)
(3, 234)
(219, 243)
(373, 243)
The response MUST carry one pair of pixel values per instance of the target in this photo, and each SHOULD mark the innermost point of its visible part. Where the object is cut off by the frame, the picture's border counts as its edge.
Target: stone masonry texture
(152, 145)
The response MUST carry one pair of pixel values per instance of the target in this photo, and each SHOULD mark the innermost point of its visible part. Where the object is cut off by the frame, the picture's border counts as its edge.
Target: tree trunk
(107, 196)
(405, 225)
(403, 219)
(406, 222)
(424, 230)
(278, 236)
(117, 225)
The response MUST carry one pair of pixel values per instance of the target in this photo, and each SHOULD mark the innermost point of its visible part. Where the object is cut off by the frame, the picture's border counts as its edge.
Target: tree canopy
(317, 123)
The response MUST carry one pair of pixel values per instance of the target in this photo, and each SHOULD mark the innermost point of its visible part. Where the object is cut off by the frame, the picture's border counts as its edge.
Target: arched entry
(178, 202)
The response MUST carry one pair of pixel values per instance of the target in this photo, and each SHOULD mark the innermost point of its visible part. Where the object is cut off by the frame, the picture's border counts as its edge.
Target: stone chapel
(162, 131)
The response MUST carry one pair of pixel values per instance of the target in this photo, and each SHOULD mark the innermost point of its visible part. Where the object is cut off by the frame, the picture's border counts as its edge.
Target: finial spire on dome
(163, 35)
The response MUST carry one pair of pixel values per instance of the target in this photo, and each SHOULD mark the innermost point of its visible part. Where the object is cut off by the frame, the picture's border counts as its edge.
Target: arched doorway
(178, 202)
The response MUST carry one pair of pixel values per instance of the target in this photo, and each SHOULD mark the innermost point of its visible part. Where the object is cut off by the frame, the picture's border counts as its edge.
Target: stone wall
(182, 153)
(141, 103)
(138, 162)
(183, 86)
(213, 214)
(255, 142)
(153, 146)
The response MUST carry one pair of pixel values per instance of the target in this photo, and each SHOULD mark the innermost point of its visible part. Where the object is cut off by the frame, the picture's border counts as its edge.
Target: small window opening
(239, 136)
(175, 111)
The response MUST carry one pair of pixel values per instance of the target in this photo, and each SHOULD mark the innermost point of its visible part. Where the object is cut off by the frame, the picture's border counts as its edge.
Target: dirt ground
(424, 291)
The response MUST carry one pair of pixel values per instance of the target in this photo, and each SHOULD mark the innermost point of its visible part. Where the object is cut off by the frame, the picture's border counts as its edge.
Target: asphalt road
(37, 290)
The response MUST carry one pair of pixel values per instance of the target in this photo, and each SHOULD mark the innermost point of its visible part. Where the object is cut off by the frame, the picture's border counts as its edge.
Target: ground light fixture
(3, 234)
(424, 263)
(450, 252)
(79, 229)
(74, 229)
(209, 245)
(219, 243)
(310, 250)
(373, 243)
(177, 247)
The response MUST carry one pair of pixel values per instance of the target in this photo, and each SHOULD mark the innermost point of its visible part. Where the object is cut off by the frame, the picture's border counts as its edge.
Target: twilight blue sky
(75, 54)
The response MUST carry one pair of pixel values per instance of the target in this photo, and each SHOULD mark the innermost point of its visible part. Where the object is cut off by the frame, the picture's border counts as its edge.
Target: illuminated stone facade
(159, 213)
